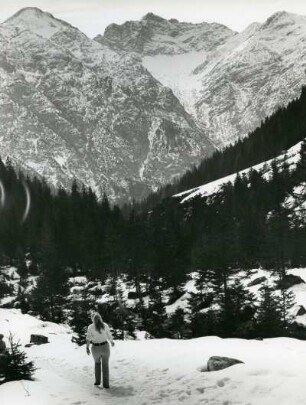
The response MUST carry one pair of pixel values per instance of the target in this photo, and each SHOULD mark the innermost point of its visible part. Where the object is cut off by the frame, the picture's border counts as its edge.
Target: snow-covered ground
(291, 157)
(80, 284)
(156, 371)
(248, 279)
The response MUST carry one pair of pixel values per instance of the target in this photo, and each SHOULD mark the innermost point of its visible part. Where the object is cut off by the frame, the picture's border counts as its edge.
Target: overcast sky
(92, 16)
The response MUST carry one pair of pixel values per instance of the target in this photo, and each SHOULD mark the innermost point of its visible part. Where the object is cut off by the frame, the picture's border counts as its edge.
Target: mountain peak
(36, 20)
(281, 18)
(152, 17)
(29, 12)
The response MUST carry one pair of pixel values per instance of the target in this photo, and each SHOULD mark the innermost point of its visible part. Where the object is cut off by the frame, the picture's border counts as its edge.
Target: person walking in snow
(99, 336)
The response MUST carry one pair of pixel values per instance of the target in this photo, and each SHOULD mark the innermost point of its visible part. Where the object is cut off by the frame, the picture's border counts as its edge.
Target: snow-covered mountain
(131, 110)
(73, 108)
(228, 81)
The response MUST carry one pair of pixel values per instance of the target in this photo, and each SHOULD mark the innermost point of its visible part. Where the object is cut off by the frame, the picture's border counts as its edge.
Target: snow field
(156, 371)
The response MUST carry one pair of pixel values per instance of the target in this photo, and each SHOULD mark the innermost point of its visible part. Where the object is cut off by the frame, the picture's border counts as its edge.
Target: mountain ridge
(78, 109)
(263, 63)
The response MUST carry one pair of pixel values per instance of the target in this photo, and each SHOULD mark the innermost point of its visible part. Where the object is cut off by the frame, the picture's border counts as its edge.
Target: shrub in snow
(14, 365)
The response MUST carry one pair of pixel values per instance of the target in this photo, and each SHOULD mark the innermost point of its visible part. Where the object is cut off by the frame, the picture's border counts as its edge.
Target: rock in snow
(301, 311)
(289, 280)
(256, 281)
(39, 339)
(216, 363)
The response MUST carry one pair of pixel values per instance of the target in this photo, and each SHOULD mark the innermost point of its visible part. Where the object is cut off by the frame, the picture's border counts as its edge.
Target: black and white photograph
(152, 202)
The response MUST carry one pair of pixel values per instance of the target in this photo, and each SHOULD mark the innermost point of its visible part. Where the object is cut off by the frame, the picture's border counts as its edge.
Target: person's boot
(98, 373)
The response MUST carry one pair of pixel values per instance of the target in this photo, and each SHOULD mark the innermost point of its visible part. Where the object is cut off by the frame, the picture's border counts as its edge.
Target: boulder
(216, 363)
(133, 295)
(39, 339)
(33, 313)
(289, 281)
(301, 311)
(258, 280)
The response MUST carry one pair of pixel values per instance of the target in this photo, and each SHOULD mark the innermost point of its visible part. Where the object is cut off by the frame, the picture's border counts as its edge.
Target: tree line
(255, 221)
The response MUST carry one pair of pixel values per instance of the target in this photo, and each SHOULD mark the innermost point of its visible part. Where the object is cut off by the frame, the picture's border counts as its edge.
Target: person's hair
(1, 336)
(97, 320)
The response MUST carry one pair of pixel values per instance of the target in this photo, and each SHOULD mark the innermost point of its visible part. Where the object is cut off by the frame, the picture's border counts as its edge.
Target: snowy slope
(98, 291)
(157, 371)
(291, 157)
(253, 280)
(231, 83)
(73, 108)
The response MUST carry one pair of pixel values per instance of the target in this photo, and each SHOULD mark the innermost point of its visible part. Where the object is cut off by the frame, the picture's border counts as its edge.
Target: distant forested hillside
(277, 133)
(256, 221)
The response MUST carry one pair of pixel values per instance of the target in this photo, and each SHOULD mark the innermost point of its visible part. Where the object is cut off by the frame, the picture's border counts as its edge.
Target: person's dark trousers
(105, 371)
(98, 373)
(101, 352)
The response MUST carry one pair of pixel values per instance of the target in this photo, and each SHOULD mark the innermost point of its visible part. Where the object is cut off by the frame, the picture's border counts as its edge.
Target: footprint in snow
(120, 391)
(221, 383)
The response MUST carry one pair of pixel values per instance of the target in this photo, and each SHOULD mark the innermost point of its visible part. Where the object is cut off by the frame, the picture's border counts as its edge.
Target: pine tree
(269, 314)
(48, 298)
(176, 324)
(80, 317)
(16, 366)
(22, 269)
(203, 298)
(232, 302)
(156, 313)
(287, 302)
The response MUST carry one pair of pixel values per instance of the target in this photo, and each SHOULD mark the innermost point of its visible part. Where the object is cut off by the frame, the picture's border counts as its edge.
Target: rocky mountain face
(154, 35)
(229, 82)
(71, 107)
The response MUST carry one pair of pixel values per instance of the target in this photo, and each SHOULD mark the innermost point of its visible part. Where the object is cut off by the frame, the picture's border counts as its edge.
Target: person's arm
(88, 340)
(109, 335)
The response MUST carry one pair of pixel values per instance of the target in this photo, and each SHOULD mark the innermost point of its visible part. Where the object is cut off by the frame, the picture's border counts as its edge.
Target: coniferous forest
(257, 221)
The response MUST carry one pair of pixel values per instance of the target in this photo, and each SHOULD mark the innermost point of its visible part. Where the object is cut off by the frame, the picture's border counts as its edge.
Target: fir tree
(269, 314)
(80, 317)
(176, 324)
(15, 366)
(156, 313)
(287, 302)
(49, 295)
